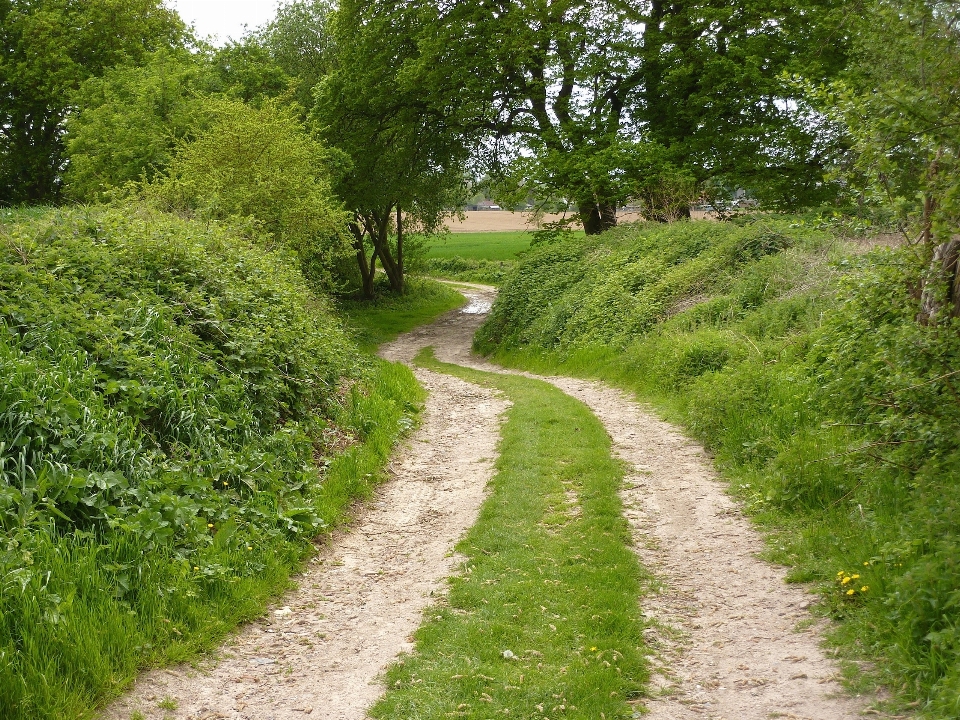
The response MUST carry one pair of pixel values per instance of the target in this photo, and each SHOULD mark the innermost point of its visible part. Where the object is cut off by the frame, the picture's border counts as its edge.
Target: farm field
(500, 245)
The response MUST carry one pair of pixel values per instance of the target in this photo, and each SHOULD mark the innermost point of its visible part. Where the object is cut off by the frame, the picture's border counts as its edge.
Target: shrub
(260, 163)
(173, 418)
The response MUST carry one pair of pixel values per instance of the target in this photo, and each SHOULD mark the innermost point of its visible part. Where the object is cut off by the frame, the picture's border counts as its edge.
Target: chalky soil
(320, 651)
(724, 624)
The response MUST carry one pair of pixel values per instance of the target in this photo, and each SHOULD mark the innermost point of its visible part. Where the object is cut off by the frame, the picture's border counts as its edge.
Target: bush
(834, 413)
(173, 419)
(260, 163)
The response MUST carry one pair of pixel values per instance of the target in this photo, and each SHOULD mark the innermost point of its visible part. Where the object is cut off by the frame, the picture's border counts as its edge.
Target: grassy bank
(543, 620)
(180, 417)
(832, 413)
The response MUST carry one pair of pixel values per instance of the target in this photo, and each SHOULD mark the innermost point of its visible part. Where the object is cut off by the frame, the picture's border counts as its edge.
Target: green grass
(480, 245)
(825, 405)
(549, 576)
(383, 319)
(180, 418)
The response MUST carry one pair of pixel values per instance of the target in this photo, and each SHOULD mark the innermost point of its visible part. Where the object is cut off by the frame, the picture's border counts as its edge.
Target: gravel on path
(320, 651)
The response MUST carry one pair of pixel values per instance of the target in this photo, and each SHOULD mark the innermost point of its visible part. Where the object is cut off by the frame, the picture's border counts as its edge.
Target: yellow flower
(845, 580)
(855, 577)
(865, 564)
(593, 649)
(209, 525)
(841, 573)
(851, 591)
(864, 588)
(249, 547)
(196, 567)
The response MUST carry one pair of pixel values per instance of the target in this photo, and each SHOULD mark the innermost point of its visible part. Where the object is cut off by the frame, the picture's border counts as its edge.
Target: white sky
(224, 18)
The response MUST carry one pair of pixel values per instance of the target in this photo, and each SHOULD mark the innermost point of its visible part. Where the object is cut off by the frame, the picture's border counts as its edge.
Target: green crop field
(481, 245)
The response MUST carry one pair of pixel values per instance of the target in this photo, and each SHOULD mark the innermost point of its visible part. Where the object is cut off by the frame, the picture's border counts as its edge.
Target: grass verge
(381, 320)
(548, 577)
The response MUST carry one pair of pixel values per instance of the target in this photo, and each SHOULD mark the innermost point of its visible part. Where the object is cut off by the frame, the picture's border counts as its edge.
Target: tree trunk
(942, 278)
(400, 246)
(597, 217)
(368, 271)
(381, 241)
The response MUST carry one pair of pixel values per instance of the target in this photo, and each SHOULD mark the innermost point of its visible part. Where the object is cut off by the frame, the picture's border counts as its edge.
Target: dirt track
(319, 651)
(724, 624)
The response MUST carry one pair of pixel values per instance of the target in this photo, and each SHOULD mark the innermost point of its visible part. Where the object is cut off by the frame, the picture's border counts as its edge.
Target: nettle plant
(163, 380)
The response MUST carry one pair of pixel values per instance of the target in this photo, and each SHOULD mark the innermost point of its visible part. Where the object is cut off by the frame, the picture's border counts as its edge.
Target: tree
(299, 42)
(259, 163)
(594, 90)
(128, 124)
(47, 49)
(407, 153)
(715, 92)
(901, 109)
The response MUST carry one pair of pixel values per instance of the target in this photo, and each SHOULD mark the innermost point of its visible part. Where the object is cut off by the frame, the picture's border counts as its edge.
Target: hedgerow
(179, 417)
(802, 366)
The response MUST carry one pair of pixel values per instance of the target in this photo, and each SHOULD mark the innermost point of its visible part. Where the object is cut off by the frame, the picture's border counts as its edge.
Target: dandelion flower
(845, 580)
(865, 564)
(196, 567)
(851, 591)
(593, 649)
(864, 588)
(855, 577)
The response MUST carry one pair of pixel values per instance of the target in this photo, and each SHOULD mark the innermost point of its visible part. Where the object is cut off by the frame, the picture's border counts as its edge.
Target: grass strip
(543, 621)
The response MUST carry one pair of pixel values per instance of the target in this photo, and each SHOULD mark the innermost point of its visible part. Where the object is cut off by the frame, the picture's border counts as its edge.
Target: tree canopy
(407, 152)
(47, 49)
(614, 100)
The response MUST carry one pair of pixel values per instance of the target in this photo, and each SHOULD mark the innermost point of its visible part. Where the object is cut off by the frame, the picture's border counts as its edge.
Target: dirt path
(319, 652)
(725, 622)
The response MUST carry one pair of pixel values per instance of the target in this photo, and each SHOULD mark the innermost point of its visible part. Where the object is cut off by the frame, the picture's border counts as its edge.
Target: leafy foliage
(145, 352)
(130, 123)
(578, 292)
(173, 422)
(260, 163)
(834, 413)
(48, 48)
